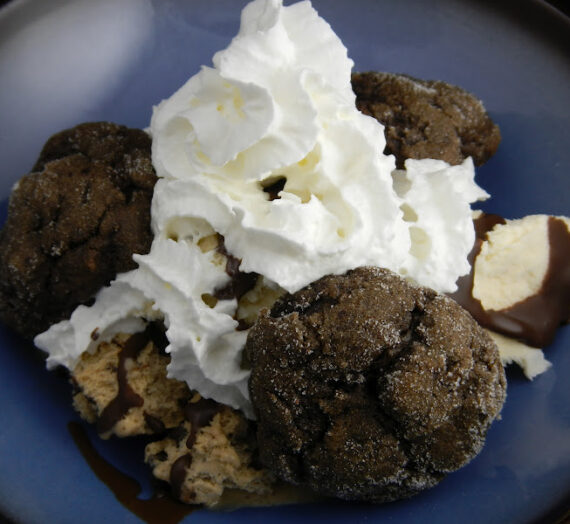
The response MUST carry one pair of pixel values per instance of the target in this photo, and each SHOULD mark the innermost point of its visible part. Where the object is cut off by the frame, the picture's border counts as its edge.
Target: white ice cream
(278, 104)
(530, 360)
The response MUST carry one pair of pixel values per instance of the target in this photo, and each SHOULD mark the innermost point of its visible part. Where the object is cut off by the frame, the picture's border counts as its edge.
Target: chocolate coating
(368, 388)
(74, 223)
(427, 118)
(536, 319)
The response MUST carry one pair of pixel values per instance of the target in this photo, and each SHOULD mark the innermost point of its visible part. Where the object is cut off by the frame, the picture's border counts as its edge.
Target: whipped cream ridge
(276, 110)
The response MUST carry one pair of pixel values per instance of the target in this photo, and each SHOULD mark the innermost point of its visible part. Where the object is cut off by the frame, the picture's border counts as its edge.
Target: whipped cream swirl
(267, 151)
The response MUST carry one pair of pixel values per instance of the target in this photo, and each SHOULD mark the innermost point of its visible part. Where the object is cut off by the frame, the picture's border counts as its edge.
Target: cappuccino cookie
(123, 388)
(213, 450)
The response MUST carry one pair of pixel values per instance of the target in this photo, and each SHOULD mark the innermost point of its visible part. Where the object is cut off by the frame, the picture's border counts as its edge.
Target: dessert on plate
(270, 193)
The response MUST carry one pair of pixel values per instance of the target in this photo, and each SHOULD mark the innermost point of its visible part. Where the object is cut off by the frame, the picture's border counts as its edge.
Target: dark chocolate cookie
(427, 118)
(74, 223)
(369, 388)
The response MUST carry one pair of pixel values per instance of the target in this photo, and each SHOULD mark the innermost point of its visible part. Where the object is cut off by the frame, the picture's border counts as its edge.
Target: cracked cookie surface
(369, 388)
(426, 118)
(74, 222)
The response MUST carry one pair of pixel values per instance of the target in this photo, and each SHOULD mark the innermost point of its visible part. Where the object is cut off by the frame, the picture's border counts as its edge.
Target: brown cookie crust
(74, 223)
(427, 118)
(369, 388)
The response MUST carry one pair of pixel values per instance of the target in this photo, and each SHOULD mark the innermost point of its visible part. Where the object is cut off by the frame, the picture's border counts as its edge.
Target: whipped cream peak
(267, 170)
(218, 106)
(274, 39)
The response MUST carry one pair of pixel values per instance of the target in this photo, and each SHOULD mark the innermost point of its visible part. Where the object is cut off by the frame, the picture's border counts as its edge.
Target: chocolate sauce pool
(160, 509)
(535, 319)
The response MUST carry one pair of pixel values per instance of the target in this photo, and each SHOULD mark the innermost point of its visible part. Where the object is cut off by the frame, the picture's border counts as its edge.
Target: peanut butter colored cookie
(212, 451)
(123, 388)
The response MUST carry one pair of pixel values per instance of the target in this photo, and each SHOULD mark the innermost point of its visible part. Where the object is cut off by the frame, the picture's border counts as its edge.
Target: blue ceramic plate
(62, 63)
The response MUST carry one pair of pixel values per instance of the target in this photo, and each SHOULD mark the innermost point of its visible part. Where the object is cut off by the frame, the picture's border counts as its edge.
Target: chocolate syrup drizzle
(274, 189)
(126, 397)
(178, 473)
(199, 414)
(240, 282)
(535, 319)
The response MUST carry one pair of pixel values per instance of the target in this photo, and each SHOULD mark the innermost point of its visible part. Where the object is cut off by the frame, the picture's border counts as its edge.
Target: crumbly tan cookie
(205, 448)
(212, 451)
(427, 118)
(74, 223)
(123, 388)
(366, 387)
